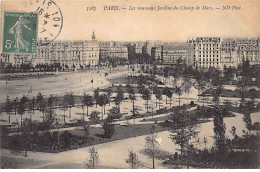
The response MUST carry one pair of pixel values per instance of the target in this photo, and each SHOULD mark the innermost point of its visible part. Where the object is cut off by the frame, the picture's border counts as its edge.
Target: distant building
(171, 53)
(112, 49)
(248, 49)
(206, 52)
(228, 53)
(200, 52)
(157, 54)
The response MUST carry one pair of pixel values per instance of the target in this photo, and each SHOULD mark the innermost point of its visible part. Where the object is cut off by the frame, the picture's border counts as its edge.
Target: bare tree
(8, 108)
(132, 160)
(93, 160)
(152, 145)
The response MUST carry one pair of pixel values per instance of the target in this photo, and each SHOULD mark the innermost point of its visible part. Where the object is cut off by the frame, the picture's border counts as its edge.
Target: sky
(133, 25)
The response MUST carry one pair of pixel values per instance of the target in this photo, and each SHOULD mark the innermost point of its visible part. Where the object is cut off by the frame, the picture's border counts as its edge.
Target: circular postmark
(50, 19)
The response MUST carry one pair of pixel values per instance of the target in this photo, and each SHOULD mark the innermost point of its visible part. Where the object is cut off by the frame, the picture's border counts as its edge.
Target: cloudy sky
(130, 25)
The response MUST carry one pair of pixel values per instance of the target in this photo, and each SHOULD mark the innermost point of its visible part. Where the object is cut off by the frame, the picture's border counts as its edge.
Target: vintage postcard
(130, 84)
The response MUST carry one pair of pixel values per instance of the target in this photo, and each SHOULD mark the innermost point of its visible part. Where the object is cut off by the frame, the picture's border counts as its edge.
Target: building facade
(201, 52)
(248, 49)
(206, 52)
(113, 49)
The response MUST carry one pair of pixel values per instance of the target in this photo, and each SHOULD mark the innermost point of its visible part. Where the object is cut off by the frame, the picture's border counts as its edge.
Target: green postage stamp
(20, 32)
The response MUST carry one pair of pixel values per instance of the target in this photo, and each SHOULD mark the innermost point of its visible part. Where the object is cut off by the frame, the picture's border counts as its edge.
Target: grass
(19, 163)
(121, 132)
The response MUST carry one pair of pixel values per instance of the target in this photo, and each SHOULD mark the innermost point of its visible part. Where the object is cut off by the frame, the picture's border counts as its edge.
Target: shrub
(109, 129)
(66, 138)
(192, 103)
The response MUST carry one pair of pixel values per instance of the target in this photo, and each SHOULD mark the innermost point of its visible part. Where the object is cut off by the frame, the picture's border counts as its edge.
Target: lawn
(121, 132)
(20, 163)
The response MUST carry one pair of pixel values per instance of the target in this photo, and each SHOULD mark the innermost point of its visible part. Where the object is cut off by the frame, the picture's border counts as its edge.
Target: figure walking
(17, 30)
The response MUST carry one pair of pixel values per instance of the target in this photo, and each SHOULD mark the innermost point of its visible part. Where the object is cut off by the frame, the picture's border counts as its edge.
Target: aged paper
(129, 84)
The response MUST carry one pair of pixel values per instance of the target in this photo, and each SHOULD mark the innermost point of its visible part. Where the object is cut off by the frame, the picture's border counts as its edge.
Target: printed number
(49, 3)
(8, 44)
(41, 10)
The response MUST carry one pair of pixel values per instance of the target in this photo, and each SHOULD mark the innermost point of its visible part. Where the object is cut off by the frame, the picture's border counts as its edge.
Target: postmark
(20, 32)
(50, 19)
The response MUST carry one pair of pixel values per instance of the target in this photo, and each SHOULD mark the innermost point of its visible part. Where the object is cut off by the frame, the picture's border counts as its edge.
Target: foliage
(219, 133)
(114, 113)
(108, 128)
(87, 101)
(96, 96)
(119, 97)
(146, 95)
(183, 126)
(94, 117)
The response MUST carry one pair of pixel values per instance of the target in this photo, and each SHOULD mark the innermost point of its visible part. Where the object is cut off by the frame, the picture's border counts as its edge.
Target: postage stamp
(20, 32)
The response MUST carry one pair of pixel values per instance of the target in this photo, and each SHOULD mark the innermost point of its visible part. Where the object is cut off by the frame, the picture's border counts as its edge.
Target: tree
(158, 96)
(50, 118)
(179, 91)
(15, 104)
(229, 73)
(103, 100)
(219, 136)
(24, 100)
(32, 104)
(119, 97)
(155, 91)
(96, 96)
(146, 95)
(25, 138)
(87, 101)
(201, 86)
(8, 108)
(109, 93)
(108, 128)
(41, 103)
(114, 113)
(165, 92)
(94, 117)
(187, 86)
(21, 110)
(132, 98)
(248, 121)
(84, 130)
(256, 127)
(93, 158)
(50, 101)
(169, 94)
(183, 126)
(71, 102)
(152, 145)
(132, 160)
(65, 106)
